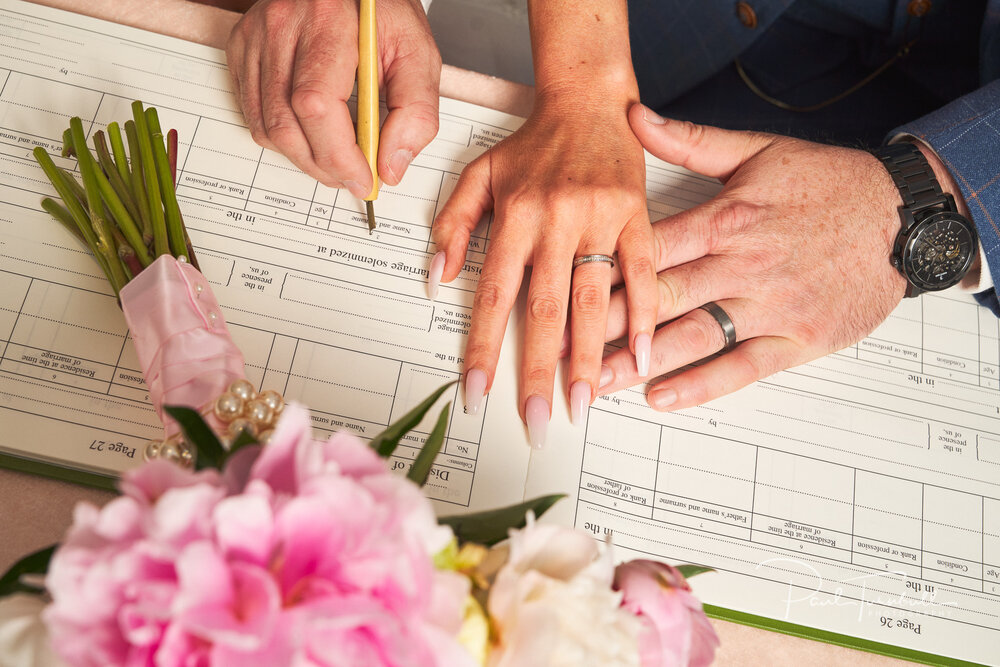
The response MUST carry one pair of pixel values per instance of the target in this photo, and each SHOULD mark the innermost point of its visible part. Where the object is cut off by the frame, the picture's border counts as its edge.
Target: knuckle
(730, 220)
(257, 132)
(520, 206)
(633, 200)
(478, 353)
(308, 102)
(639, 268)
(241, 34)
(276, 14)
(425, 115)
(760, 260)
(545, 309)
(702, 334)
(811, 332)
(279, 128)
(661, 249)
(753, 365)
(727, 221)
(694, 134)
(490, 297)
(587, 297)
(538, 375)
(668, 293)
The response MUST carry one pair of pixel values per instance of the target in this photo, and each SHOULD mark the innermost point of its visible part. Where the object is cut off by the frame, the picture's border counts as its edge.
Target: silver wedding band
(587, 259)
(722, 317)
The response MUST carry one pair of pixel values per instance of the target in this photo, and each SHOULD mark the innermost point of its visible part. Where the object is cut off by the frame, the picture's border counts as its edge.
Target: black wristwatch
(935, 246)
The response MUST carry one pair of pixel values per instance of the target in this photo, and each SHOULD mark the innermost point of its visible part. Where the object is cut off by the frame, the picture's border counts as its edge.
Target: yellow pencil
(368, 99)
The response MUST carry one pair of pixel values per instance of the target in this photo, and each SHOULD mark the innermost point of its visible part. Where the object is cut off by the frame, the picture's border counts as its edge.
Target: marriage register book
(855, 499)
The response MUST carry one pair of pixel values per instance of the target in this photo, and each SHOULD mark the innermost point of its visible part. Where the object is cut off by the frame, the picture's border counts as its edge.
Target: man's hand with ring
(293, 64)
(795, 249)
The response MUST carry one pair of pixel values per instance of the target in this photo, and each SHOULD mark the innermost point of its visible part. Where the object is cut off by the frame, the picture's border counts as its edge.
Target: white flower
(552, 604)
(23, 637)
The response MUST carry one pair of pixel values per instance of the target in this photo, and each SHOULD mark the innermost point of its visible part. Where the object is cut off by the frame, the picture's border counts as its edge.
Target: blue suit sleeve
(966, 135)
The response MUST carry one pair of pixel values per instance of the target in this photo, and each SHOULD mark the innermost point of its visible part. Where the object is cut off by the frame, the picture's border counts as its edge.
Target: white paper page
(323, 312)
(851, 453)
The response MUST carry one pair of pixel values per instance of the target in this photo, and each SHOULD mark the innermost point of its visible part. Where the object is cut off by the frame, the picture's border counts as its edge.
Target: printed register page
(857, 495)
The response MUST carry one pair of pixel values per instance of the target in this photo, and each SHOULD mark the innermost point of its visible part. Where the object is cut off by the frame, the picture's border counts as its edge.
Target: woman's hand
(570, 182)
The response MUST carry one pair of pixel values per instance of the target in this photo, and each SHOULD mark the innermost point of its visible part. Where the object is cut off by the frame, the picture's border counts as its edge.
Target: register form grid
(859, 493)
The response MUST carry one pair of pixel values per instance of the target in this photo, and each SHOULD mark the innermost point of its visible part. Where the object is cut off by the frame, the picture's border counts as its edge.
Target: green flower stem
(127, 255)
(136, 181)
(118, 211)
(102, 227)
(172, 154)
(111, 171)
(75, 208)
(67, 147)
(160, 243)
(125, 223)
(190, 248)
(172, 159)
(74, 186)
(153, 121)
(118, 149)
(175, 225)
(63, 217)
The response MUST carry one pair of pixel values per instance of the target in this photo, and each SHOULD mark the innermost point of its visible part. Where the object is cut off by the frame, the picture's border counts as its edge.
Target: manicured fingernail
(355, 189)
(661, 399)
(536, 414)
(475, 388)
(642, 348)
(398, 163)
(651, 116)
(564, 345)
(579, 399)
(607, 376)
(434, 275)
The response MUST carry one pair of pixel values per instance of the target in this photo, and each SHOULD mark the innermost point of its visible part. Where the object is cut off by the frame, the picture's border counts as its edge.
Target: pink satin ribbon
(187, 355)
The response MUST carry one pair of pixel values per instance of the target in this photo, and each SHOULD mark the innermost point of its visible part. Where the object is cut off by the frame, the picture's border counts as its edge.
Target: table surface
(36, 511)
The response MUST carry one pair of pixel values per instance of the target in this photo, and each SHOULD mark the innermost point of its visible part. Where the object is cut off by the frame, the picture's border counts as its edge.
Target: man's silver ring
(587, 259)
(722, 317)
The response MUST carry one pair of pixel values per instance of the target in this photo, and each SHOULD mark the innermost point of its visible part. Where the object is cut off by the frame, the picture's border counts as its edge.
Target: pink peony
(675, 631)
(308, 554)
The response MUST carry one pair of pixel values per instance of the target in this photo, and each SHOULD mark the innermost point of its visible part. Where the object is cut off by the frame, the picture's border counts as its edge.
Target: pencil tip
(371, 216)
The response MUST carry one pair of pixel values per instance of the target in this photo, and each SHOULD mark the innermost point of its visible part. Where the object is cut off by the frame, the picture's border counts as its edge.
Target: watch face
(939, 251)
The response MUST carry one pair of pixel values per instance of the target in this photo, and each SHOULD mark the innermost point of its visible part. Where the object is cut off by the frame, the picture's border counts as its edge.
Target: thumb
(703, 149)
(412, 82)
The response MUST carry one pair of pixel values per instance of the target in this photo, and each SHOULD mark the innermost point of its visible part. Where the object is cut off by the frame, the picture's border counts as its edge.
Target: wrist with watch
(935, 246)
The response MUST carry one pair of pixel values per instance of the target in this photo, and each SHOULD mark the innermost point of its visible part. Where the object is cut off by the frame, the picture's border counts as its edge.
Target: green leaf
(35, 563)
(693, 570)
(421, 467)
(385, 443)
(491, 526)
(241, 441)
(210, 452)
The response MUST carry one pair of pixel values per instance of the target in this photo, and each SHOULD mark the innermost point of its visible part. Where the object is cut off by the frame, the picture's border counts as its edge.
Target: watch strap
(912, 174)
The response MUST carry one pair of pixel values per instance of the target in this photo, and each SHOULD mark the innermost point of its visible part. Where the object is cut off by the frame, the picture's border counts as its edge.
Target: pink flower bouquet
(243, 541)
